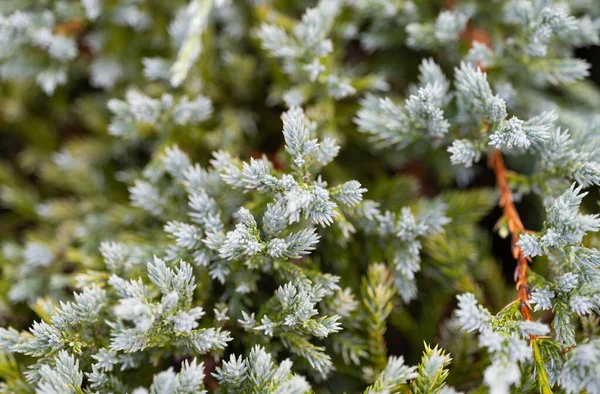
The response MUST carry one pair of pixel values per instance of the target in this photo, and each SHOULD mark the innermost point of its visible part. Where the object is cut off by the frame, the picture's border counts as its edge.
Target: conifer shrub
(293, 196)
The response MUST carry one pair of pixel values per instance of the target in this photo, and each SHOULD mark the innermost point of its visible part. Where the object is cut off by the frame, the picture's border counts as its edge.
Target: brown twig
(72, 27)
(515, 227)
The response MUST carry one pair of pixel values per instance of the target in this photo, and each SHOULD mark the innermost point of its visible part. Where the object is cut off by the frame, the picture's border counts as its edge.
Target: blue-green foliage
(257, 197)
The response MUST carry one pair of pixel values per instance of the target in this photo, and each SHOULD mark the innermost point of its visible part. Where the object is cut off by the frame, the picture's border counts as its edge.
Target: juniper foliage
(285, 197)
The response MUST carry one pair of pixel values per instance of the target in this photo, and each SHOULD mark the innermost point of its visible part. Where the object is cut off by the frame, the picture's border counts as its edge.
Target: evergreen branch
(377, 288)
(540, 367)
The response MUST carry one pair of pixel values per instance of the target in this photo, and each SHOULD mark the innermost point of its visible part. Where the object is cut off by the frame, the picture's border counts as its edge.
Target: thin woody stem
(515, 227)
(72, 27)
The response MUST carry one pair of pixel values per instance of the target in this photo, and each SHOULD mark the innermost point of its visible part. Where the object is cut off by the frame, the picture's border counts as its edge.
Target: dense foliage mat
(285, 196)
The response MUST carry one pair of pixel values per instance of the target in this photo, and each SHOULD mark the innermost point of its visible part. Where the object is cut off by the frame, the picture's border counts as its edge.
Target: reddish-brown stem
(72, 27)
(516, 228)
